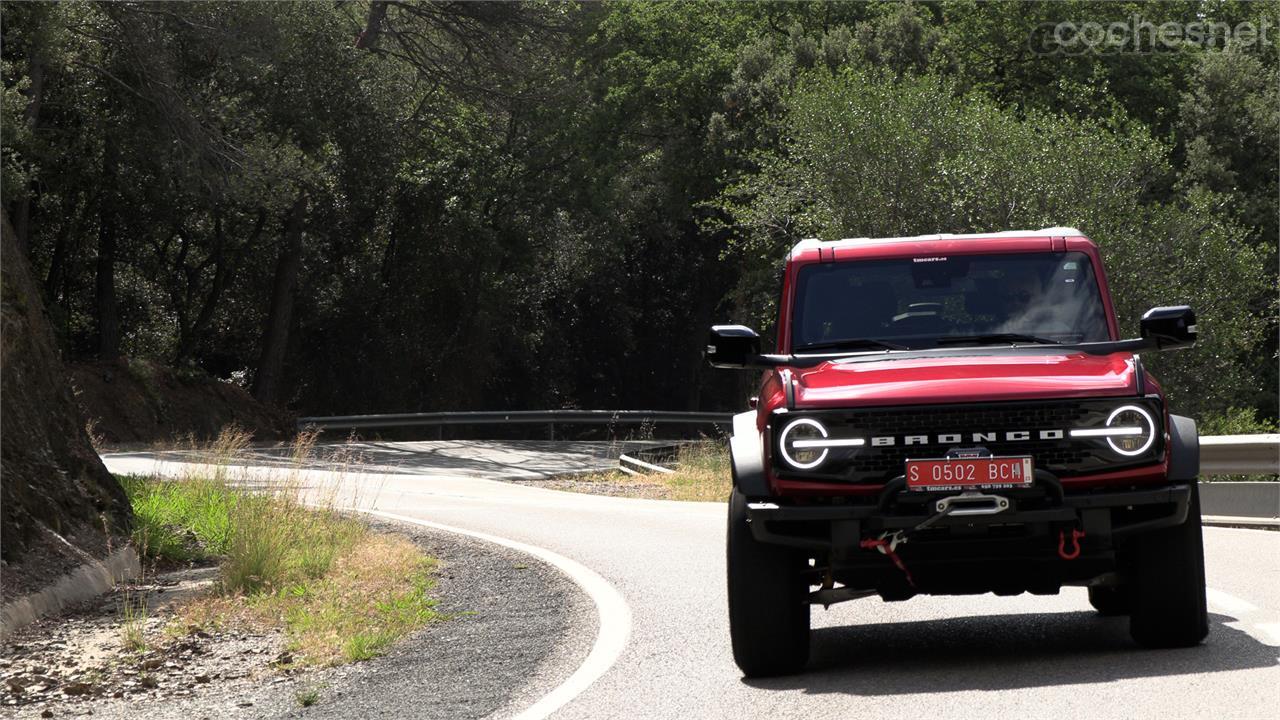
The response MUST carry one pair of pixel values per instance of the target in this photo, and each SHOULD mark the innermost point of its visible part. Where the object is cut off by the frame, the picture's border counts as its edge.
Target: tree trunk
(105, 288)
(224, 265)
(275, 332)
(368, 38)
(57, 266)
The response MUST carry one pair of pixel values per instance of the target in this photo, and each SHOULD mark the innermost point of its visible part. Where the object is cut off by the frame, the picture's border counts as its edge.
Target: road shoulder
(515, 628)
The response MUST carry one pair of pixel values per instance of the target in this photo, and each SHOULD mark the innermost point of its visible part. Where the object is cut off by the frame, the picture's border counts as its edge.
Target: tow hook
(1074, 552)
(887, 544)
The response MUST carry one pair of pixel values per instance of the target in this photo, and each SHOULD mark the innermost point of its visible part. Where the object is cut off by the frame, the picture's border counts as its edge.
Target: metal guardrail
(657, 459)
(1240, 455)
(1254, 504)
(550, 418)
(1219, 455)
(636, 466)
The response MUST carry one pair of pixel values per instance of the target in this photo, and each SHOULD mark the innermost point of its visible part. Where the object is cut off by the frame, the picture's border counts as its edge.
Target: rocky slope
(60, 505)
(137, 401)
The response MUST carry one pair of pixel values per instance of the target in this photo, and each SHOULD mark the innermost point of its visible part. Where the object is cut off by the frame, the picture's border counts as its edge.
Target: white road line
(615, 616)
(1230, 604)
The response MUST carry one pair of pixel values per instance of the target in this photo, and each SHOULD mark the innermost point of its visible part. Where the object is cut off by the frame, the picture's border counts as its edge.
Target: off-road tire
(768, 612)
(1167, 589)
(1110, 600)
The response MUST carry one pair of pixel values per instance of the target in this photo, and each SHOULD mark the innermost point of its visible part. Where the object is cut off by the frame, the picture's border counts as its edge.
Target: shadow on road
(1005, 652)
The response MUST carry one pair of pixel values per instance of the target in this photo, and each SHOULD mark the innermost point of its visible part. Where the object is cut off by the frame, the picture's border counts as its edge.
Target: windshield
(926, 302)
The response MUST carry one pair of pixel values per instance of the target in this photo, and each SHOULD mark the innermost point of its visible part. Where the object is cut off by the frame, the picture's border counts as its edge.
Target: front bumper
(1035, 511)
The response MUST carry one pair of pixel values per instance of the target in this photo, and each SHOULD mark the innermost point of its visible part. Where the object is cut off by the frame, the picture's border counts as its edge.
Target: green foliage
(870, 156)
(340, 591)
(544, 205)
(1235, 421)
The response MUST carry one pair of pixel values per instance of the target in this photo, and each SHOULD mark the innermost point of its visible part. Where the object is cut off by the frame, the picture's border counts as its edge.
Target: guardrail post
(551, 431)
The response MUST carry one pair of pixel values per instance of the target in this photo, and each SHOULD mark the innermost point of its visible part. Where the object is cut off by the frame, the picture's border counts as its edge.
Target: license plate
(962, 473)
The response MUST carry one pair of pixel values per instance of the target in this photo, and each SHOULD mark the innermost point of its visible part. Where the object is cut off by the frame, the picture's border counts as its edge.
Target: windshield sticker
(929, 259)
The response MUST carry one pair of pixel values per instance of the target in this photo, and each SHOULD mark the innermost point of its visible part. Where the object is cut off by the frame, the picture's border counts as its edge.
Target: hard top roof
(1004, 237)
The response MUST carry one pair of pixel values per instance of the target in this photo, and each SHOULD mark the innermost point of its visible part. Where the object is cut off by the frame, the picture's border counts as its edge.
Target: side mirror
(732, 346)
(1166, 328)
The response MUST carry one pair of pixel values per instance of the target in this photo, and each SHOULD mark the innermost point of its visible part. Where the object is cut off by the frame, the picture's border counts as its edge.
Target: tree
(525, 205)
(871, 156)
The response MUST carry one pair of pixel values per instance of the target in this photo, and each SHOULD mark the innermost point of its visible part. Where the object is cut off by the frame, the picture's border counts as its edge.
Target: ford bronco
(953, 414)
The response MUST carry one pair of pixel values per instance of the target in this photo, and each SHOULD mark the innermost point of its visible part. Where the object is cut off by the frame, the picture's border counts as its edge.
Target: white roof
(808, 243)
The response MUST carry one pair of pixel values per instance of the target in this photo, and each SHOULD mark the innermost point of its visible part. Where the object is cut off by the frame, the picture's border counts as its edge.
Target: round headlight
(1139, 427)
(802, 458)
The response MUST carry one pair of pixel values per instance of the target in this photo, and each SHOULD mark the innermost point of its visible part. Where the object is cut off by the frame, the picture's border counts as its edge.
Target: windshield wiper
(852, 344)
(995, 338)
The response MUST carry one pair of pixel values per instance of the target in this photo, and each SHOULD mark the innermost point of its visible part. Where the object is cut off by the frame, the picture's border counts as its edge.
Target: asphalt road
(963, 657)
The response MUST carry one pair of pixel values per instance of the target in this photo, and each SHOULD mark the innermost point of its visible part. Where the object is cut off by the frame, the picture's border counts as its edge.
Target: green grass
(180, 521)
(276, 542)
(374, 594)
(341, 592)
(133, 622)
(263, 541)
(307, 697)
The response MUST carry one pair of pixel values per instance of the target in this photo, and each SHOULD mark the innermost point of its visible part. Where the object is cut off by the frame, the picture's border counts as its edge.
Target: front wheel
(768, 601)
(1167, 593)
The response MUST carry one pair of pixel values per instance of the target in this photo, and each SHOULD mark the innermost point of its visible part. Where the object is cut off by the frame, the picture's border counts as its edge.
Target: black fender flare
(1184, 449)
(746, 450)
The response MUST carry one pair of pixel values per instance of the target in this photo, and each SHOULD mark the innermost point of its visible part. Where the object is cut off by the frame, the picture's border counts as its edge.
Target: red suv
(954, 414)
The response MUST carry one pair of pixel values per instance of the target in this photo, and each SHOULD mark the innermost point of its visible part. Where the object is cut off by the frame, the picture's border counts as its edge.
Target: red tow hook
(888, 547)
(1075, 544)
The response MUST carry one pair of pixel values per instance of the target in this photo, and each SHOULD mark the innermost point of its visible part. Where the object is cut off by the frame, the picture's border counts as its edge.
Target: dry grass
(702, 475)
(133, 622)
(288, 557)
(374, 594)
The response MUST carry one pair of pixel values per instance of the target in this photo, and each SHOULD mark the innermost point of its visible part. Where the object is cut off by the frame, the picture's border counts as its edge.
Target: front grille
(1064, 457)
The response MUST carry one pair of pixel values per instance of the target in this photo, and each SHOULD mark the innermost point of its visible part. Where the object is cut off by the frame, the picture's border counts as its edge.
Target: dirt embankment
(137, 401)
(59, 507)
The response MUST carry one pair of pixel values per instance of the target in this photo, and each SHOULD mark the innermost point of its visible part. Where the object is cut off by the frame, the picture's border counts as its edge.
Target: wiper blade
(852, 344)
(996, 338)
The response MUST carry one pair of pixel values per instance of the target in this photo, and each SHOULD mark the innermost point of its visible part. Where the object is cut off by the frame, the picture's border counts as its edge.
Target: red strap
(885, 547)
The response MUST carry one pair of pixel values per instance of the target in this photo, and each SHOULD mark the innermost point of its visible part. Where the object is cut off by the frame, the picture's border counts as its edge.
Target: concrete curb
(1243, 500)
(85, 582)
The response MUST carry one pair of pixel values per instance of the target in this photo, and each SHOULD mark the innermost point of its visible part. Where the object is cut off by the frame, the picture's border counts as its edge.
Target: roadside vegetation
(701, 475)
(287, 559)
(1237, 421)
(503, 205)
